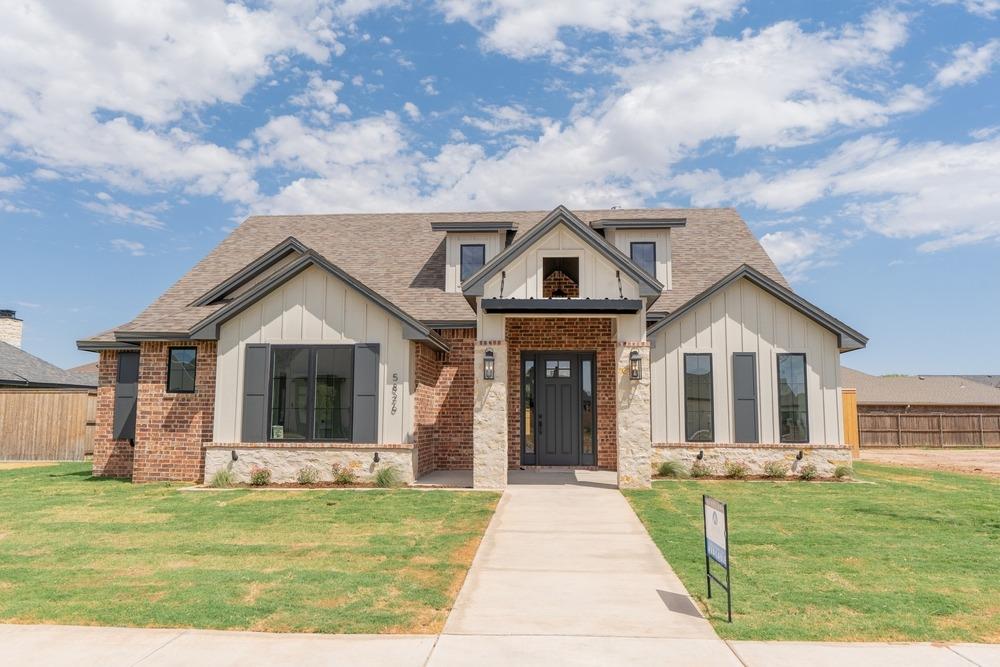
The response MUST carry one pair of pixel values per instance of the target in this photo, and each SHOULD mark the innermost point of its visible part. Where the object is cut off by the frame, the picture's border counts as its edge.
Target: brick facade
(427, 370)
(583, 334)
(112, 458)
(169, 428)
(557, 281)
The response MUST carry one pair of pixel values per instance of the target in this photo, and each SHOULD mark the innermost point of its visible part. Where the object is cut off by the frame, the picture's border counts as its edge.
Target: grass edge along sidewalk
(79, 550)
(907, 556)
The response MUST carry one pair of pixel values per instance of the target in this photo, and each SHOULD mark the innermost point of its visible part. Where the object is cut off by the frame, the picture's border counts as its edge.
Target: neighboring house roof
(21, 369)
(847, 338)
(402, 258)
(918, 389)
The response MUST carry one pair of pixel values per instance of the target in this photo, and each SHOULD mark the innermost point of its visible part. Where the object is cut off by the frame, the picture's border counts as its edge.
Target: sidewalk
(566, 574)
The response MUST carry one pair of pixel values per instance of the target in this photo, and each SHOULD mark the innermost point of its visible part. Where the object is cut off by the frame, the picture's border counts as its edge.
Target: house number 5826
(395, 392)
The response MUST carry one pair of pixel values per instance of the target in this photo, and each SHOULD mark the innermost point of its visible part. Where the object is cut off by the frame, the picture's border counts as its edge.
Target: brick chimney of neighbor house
(10, 328)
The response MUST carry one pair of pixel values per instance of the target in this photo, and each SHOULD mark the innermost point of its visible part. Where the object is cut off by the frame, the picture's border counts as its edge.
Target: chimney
(10, 328)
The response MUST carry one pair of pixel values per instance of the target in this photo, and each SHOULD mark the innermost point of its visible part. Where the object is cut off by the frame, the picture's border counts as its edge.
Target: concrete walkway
(566, 574)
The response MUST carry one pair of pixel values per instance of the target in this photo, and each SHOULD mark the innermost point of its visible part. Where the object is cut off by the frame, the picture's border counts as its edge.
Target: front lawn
(79, 550)
(914, 555)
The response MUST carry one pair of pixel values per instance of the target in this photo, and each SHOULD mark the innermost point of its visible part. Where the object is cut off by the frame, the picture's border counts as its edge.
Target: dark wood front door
(560, 388)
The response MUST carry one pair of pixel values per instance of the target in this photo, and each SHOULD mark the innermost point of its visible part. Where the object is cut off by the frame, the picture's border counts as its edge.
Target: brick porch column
(635, 444)
(489, 420)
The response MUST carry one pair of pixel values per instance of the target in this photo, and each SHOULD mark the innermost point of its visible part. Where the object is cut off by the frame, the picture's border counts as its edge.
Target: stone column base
(489, 420)
(635, 445)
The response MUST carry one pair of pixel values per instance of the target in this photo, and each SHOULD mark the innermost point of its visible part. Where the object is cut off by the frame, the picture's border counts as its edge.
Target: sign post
(716, 519)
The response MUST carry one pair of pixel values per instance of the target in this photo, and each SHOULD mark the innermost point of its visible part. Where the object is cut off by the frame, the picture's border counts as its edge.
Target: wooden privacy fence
(929, 430)
(46, 424)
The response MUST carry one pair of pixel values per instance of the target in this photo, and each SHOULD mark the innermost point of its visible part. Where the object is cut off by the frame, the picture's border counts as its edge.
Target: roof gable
(648, 286)
(847, 338)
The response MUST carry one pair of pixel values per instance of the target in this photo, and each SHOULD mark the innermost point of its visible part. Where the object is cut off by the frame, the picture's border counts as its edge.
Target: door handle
(540, 424)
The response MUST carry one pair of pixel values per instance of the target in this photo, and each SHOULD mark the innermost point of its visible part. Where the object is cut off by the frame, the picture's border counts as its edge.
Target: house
(926, 410)
(479, 341)
(44, 410)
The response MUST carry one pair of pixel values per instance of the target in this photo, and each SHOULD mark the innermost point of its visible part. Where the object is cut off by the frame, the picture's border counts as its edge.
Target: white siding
(623, 239)
(315, 307)
(744, 318)
(494, 242)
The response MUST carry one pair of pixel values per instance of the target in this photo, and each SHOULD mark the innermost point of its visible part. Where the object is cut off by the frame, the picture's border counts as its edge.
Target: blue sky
(861, 141)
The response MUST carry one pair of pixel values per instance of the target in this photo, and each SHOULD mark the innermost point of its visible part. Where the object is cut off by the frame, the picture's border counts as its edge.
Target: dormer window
(643, 254)
(473, 257)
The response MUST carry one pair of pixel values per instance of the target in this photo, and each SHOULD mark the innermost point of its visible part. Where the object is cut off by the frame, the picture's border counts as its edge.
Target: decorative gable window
(182, 364)
(473, 257)
(643, 254)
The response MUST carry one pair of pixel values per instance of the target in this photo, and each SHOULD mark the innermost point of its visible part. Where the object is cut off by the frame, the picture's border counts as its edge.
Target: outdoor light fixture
(488, 365)
(236, 457)
(701, 455)
(798, 457)
(375, 458)
(635, 365)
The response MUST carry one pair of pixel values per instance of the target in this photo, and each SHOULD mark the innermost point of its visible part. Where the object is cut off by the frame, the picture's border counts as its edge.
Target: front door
(560, 407)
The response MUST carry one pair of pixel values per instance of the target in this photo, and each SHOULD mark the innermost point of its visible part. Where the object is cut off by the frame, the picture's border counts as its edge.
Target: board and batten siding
(316, 307)
(745, 318)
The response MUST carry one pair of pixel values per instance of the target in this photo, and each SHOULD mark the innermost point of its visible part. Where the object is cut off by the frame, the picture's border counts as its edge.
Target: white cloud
(412, 110)
(797, 251)
(507, 118)
(133, 248)
(10, 183)
(968, 64)
(114, 211)
(322, 93)
(524, 29)
(428, 85)
(985, 132)
(984, 8)
(945, 193)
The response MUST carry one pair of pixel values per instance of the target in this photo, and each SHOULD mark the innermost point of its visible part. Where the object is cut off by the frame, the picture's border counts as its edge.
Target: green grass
(78, 550)
(912, 555)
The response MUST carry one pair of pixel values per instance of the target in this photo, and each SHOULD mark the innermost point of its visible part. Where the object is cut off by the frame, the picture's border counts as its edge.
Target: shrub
(736, 470)
(308, 475)
(342, 474)
(387, 477)
(223, 478)
(670, 469)
(843, 472)
(808, 472)
(260, 476)
(699, 469)
(775, 469)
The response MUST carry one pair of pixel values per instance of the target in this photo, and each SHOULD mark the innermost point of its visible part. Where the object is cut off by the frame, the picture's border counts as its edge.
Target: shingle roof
(400, 257)
(919, 389)
(19, 368)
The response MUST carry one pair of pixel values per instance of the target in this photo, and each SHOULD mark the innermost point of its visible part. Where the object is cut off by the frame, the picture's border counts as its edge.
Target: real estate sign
(716, 517)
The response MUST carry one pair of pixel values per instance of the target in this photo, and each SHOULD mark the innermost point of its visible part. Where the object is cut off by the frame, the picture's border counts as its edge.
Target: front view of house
(612, 339)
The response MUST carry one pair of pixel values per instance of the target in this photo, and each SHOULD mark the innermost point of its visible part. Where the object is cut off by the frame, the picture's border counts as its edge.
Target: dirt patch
(984, 462)
(14, 465)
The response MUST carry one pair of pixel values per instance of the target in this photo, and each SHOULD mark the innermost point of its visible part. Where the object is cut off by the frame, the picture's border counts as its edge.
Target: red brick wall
(557, 280)
(112, 458)
(170, 428)
(584, 334)
(427, 369)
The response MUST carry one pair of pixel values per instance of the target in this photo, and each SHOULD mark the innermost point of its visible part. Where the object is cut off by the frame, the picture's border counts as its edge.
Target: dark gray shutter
(254, 428)
(126, 395)
(365, 393)
(745, 396)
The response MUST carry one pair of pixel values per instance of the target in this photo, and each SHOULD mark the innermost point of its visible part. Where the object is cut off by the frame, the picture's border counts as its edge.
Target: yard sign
(716, 519)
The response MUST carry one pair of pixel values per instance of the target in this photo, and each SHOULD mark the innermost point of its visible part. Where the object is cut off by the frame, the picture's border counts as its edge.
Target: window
(643, 254)
(587, 413)
(793, 401)
(698, 417)
(181, 365)
(557, 369)
(473, 257)
(528, 397)
(312, 393)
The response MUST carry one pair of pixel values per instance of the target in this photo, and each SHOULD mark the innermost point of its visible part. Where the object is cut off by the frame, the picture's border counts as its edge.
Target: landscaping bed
(85, 551)
(908, 555)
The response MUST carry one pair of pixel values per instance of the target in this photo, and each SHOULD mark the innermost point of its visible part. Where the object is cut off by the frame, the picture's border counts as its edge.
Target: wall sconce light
(635, 365)
(236, 457)
(798, 457)
(488, 365)
(375, 459)
(701, 455)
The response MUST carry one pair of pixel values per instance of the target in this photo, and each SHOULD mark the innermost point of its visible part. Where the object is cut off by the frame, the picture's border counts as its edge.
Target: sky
(860, 141)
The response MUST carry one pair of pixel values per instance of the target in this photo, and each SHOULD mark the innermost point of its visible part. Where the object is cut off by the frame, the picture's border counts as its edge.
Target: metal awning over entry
(562, 306)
